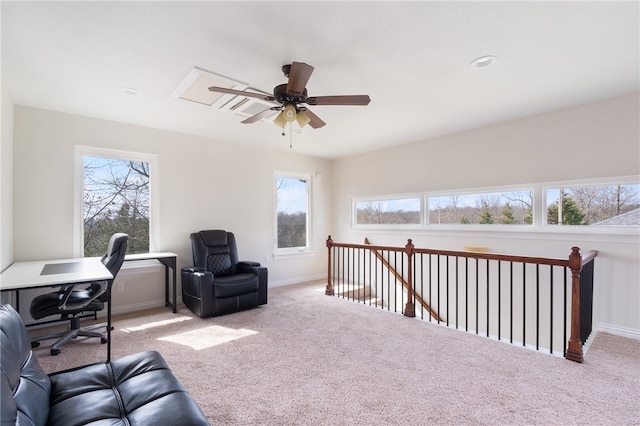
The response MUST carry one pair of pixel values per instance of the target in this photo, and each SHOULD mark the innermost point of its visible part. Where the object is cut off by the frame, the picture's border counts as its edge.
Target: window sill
(293, 254)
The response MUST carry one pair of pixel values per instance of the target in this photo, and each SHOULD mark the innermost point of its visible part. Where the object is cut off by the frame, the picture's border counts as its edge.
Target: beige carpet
(310, 359)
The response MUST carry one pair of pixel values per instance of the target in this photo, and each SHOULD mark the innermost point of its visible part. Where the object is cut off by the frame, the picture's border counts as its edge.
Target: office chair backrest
(116, 251)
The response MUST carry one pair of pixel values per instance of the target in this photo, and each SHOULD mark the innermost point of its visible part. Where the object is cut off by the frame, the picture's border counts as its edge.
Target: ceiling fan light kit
(288, 97)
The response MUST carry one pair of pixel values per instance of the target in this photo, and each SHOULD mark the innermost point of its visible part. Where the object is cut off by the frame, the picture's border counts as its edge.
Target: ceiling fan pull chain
(290, 136)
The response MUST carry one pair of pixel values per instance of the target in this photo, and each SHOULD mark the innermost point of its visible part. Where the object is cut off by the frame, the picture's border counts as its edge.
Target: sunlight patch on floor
(207, 337)
(155, 324)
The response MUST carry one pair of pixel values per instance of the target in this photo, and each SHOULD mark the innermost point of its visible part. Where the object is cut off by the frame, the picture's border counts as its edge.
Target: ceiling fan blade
(339, 100)
(298, 77)
(259, 116)
(262, 96)
(315, 121)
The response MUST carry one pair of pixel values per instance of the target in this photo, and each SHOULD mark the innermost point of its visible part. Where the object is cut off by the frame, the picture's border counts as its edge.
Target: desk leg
(109, 325)
(175, 303)
(169, 262)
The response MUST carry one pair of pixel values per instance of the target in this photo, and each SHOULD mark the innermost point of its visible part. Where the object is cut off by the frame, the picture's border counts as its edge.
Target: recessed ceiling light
(130, 91)
(483, 61)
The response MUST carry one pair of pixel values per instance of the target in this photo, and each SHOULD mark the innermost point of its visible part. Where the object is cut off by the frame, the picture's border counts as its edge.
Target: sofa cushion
(137, 389)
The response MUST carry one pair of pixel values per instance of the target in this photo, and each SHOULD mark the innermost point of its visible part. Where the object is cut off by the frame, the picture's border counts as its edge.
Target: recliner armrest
(192, 269)
(197, 290)
(249, 267)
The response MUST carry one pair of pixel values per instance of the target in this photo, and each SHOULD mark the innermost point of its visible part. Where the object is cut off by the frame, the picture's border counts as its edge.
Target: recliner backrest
(215, 251)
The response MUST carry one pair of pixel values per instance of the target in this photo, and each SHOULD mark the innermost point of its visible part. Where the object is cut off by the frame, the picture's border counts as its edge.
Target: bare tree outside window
(592, 205)
(403, 211)
(503, 208)
(115, 199)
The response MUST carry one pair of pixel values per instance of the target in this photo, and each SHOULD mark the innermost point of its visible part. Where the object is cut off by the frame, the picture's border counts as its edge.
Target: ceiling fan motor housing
(282, 96)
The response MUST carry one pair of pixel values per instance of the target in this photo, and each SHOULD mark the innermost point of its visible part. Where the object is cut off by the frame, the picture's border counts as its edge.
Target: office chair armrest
(68, 289)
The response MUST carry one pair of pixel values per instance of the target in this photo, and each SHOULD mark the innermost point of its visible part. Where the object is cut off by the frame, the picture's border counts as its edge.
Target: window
(487, 208)
(600, 205)
(292, 211)
(399, 211)
(610, 205)
(115, 189)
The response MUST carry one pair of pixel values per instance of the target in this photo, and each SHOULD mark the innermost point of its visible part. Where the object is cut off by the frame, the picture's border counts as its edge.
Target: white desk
(56, 273)
(169, 261)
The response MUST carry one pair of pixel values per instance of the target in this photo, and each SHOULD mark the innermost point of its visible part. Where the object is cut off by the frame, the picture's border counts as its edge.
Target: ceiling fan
(288, 97)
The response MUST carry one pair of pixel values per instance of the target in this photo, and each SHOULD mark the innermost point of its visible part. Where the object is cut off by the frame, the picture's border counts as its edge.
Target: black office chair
(72, 301)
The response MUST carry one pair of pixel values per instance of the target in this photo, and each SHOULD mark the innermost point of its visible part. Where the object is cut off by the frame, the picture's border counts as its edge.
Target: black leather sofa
(137, 389)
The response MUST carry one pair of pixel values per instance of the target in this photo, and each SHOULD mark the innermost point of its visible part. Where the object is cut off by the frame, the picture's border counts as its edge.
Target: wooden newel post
(410, 309)
(574, 350)
(329, 289)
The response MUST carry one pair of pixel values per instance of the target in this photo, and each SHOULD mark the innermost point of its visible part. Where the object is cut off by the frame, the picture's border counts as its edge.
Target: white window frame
(152, 159)
(292, 175)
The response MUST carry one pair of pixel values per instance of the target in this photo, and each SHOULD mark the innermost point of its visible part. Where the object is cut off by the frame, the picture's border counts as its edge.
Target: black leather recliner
(70, 300)
(218, 283)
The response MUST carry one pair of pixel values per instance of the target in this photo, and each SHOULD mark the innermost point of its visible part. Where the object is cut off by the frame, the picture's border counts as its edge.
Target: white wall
(6, 180)
(592, 141)
(204, 184)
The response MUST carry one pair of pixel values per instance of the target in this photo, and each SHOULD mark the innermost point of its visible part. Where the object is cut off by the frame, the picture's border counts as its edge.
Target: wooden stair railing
(581, 286)
(405, 284)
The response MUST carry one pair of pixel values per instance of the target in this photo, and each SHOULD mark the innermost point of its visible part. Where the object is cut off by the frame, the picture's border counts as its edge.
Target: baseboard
(120, 309)
(617, 330)
(297, 280)
(152, 304)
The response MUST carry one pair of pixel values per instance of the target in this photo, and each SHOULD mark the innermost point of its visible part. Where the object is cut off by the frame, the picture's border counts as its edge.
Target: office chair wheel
(54, 352)
(103, 340)
(35, 344)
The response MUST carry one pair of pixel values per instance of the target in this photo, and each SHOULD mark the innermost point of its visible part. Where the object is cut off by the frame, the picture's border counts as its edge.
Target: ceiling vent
(195, 90)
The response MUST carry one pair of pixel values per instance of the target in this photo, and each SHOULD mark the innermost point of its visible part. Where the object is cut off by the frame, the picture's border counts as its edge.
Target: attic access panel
(195, 89)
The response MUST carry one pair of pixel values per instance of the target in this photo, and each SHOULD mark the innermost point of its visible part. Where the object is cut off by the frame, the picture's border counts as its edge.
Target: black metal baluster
(447, 294)
(477, 295)
(466, 294)
(457, 285)
(438, 287)
(421, 285)
(511, 302)
(551, 309)
(487, 297)
(565, 313)
(499, 297)
(537, 307)
(430, 285)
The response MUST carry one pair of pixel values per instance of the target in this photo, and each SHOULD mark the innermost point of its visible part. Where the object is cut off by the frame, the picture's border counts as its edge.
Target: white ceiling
(412, 58)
